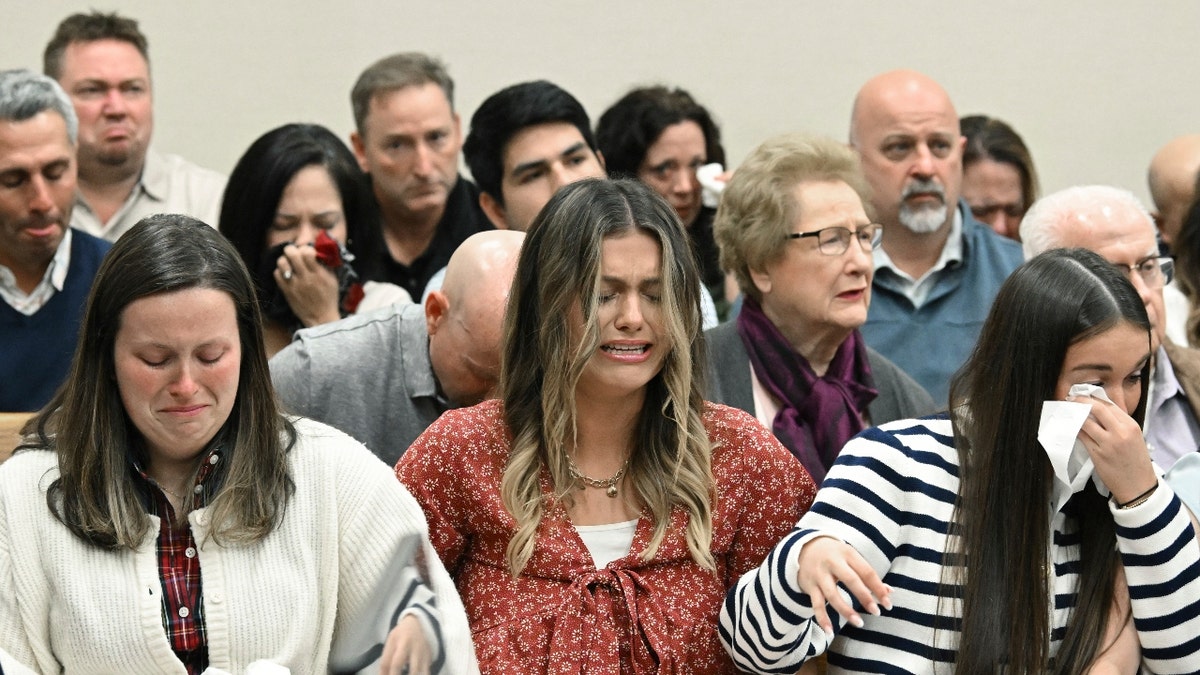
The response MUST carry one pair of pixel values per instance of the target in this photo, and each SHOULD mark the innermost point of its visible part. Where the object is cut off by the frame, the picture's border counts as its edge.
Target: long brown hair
(1000, 557)
(85, 423)
(540, 364)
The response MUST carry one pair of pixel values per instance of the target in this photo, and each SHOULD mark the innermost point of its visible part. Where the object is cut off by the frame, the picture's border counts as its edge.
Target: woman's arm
(770, 622)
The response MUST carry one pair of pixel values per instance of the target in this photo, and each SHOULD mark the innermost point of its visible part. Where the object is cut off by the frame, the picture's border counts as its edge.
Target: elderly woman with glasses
(793, 227)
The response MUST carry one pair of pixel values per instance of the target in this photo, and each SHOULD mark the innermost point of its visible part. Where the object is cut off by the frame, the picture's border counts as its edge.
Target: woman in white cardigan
(164, 517)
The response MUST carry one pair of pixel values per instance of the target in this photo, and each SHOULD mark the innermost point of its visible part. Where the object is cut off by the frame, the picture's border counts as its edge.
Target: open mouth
(625, 350)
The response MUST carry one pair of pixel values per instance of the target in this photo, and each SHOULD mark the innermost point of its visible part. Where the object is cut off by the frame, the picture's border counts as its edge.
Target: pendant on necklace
(612, 490)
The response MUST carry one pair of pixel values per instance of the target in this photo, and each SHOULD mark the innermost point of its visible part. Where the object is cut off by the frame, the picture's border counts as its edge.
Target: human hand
(1115, 443)
(310, 288)
(824, 562)
(406, 650)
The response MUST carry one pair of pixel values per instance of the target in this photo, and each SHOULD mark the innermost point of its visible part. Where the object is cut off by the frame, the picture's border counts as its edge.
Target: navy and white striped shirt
(891, 495)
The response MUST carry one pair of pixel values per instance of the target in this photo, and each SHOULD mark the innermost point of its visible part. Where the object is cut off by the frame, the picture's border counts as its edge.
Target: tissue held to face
(1112, 360)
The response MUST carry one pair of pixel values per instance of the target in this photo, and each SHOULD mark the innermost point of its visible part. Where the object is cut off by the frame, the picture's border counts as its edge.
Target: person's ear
(494, 210)
(762, 281)
(360, 150)
(437, 308)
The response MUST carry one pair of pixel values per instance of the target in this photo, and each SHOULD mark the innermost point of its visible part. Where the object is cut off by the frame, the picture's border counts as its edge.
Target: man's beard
(925, 219)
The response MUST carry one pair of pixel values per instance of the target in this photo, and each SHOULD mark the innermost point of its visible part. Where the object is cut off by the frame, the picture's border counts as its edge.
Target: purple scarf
(817, 415)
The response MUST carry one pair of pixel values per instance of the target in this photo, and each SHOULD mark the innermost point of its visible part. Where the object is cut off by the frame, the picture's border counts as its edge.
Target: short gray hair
(396, 72)
(24, 94)
(1040, 226)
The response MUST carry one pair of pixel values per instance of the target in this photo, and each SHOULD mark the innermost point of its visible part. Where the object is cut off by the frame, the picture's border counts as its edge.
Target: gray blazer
(900, 397)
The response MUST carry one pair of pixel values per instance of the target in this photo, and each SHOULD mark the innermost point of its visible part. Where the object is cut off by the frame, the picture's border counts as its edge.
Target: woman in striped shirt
(1042, 588)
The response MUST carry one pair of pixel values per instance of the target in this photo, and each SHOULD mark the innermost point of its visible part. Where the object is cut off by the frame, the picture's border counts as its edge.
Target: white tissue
(1058, 433)
(710, 187)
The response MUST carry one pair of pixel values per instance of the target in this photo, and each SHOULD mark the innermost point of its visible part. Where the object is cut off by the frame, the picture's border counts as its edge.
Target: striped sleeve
(1161, 553)
(889, 495)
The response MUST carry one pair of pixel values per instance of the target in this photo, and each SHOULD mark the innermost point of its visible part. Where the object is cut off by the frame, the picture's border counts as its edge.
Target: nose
(423, 165)
(685, 182)
(306, 234)
(561, 175)
(1117, 395)
(184, 384)
(858, 260)
(923, 163)
(40, 200)
(114, 102)
(630, 317)
(996, 220)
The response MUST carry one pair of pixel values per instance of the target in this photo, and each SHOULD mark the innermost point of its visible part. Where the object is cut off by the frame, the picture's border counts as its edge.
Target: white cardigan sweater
(69, 607)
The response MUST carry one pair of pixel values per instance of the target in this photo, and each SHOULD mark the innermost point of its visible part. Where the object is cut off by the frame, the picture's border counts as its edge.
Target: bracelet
(1138, 500)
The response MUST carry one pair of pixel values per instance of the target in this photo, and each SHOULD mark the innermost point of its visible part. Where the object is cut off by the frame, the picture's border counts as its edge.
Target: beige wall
(1094, 87)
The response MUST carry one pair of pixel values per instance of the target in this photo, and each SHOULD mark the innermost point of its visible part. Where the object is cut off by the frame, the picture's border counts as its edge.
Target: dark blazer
(900, 397)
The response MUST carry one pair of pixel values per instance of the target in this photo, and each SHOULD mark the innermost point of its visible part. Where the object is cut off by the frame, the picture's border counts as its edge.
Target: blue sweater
(890, 495)
(932, 341)
(36, 351)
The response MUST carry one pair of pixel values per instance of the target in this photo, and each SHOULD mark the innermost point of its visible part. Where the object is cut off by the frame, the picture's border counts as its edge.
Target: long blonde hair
(557, 274)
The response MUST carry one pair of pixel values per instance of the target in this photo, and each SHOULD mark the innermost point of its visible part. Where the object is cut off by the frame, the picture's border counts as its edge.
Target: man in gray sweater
(384, 376)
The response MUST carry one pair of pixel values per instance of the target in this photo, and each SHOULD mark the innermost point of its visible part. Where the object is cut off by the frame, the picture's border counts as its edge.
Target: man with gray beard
(938, 268)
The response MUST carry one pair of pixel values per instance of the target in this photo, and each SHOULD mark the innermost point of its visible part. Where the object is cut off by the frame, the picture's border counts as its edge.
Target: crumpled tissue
(1058, 433)
(710, 187)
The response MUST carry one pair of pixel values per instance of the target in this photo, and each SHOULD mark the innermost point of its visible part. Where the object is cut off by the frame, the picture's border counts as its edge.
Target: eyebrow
(539, 163)
(1104, 367)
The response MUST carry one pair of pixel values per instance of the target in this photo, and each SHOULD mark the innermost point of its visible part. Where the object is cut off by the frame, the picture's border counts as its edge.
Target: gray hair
(396, 72)
(1040, 226)
(24, 94)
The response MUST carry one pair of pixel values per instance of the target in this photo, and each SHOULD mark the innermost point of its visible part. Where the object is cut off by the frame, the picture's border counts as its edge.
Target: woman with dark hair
(595, 515)
(999, 181)
(1034, 577)
(661, 137)
(297, 210)
(165, 515)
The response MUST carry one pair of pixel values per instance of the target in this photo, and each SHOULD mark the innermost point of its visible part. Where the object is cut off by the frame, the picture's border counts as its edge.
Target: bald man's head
(1172, 177)
(906, 132)
(465, 317)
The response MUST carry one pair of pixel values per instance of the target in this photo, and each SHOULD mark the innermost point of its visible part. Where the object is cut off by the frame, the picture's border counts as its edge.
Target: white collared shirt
(917, 290)
(52, 281)
(168, 184)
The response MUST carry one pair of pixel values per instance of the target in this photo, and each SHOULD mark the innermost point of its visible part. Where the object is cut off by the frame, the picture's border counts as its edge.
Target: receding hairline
(888, 89)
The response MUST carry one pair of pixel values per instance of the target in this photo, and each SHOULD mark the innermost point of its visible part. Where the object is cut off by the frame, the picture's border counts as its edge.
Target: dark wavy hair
(257, 184)
(95, 495)
(505, 113)
(626, 130)
(1051, 302)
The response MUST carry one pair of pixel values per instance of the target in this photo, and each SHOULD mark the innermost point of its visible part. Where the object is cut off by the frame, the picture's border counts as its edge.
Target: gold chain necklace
(609, 485)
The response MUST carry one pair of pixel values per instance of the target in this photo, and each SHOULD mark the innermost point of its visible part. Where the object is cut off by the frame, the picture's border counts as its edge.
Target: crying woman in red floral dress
(594, 516)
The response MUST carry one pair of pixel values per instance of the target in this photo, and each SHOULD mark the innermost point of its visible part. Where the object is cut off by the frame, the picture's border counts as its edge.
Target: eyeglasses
(1155, 271)
(835, 240)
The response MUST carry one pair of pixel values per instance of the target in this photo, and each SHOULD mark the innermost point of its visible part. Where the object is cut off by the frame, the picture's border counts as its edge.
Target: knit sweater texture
(69, 607)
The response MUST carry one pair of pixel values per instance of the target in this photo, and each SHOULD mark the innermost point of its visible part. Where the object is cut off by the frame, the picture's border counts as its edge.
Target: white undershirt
(607, 542)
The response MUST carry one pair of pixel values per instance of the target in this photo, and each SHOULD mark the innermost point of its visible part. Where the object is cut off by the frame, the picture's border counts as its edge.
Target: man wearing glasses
(938, 268)
(1114, 224)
